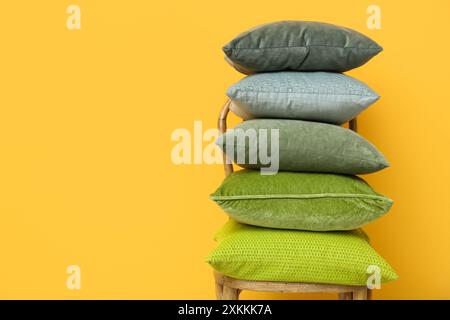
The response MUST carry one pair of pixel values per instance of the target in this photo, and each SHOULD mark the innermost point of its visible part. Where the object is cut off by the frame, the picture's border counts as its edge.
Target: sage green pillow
(303, 201)
(300, 46)
(253, 253)
(317, 96)
(300, 146)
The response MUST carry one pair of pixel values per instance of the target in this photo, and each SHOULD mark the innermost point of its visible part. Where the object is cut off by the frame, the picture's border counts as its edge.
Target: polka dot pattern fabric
(253, 253)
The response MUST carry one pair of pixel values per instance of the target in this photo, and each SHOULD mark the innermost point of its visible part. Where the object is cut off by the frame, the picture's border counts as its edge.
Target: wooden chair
(228, 288)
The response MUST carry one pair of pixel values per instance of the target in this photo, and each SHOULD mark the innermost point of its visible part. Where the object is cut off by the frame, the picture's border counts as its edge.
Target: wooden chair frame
(228, 288)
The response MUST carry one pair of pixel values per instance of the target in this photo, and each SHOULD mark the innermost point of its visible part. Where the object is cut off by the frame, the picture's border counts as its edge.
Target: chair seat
(228, 288)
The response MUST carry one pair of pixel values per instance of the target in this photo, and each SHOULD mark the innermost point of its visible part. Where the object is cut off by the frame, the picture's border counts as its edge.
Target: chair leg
(345, 296)
(230, 293)
(218, 279)
(360, 294)
(219, 291)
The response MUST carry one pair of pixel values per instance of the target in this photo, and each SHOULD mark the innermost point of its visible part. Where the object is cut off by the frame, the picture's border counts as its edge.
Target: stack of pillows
(303, 223)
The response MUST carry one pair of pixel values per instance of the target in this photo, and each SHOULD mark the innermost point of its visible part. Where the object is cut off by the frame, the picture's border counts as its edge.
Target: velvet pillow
(252, 253)
(303, 201)
(316, 96)
(295, 145)
(300, 46)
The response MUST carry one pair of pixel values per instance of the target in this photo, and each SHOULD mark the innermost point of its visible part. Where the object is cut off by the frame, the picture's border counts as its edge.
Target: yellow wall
(86, 116)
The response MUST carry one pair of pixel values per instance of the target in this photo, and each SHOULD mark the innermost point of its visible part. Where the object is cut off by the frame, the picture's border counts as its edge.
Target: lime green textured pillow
(303, 201)
(253, 253)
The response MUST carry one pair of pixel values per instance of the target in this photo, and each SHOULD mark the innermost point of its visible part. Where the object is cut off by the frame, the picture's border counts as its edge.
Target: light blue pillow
(315, 96)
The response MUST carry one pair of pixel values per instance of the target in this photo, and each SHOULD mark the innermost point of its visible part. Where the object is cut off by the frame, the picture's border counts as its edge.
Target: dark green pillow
(301, 146)
(300, 46)
(303, 201)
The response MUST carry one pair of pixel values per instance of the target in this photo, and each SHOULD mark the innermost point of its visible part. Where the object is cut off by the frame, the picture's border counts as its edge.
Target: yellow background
(86, 116)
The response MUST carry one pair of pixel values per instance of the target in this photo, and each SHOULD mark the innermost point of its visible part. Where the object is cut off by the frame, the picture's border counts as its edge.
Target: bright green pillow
(252, 253)
(303, 201)
(302, 146)
(316, 96)
(300, 46)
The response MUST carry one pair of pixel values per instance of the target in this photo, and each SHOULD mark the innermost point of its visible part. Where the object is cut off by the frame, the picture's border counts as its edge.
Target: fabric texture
(252, 253)
(315, 96)
(302, 146)
(300, 46)
(303, 201)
